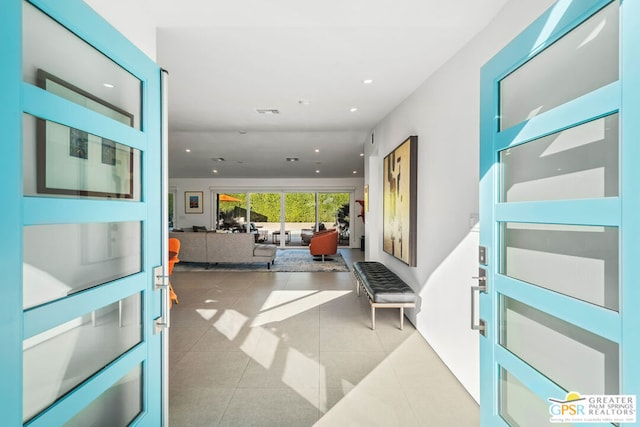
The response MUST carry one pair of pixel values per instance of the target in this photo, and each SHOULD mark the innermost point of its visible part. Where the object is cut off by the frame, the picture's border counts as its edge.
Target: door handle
(482, 280)
(161, 282)
(482, 287)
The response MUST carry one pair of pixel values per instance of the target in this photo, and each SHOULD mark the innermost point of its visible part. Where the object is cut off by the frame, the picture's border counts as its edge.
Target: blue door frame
(11, 177)
(20, 211)
(621, 212)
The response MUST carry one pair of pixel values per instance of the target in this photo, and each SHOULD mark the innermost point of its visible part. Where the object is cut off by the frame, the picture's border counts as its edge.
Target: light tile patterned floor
(297, 349)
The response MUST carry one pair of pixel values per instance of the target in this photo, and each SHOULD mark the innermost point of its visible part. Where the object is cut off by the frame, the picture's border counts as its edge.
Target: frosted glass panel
(577, 163)
(65, 258)
(63, 161)
(58, 360)
(117, 406)
(583, 60)
(593, 367)
(579, 261)
(79, 72)
(521, 407)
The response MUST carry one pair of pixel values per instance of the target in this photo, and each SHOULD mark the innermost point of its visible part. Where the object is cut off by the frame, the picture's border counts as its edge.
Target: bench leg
(373, 317)
(401, 318)
(357, 288)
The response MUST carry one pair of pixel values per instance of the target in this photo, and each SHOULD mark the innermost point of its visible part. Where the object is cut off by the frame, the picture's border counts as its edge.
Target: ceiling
(306, 59)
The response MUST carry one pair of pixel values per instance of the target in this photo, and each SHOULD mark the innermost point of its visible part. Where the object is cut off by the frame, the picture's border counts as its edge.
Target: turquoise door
(80, 115)
(559, 194)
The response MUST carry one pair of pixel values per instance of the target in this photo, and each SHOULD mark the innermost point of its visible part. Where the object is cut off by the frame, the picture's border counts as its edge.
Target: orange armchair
(174, 250)
(324, 243)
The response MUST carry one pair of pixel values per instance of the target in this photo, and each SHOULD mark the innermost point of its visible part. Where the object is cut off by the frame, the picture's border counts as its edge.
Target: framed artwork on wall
(366, 198)
(193, 202)
(400, 180)
(74, 162)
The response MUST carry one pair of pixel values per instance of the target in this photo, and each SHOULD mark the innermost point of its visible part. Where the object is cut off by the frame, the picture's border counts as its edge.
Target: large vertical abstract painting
(400, 209)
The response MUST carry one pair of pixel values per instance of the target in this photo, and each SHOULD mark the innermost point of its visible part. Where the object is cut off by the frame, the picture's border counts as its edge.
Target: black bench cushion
(382, 284)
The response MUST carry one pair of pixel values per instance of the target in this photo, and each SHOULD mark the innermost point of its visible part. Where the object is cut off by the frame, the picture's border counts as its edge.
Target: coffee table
(275, 236)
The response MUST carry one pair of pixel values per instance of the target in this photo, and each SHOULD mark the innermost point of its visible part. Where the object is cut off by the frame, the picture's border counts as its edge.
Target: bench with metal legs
(384, 289)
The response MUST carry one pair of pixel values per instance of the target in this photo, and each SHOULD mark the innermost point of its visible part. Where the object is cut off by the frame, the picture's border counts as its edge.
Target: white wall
(141, 31)
(228, 185)
(444, 113)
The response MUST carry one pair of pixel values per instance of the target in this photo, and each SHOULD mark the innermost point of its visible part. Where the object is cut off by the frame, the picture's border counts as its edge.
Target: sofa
(213, 248)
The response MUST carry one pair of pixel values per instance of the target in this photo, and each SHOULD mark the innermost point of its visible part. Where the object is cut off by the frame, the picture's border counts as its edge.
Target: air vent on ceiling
(267, 111)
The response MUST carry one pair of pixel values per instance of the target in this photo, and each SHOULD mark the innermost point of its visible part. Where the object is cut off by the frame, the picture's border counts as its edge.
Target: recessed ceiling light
(353, 109)
(218, 159)
(188, 150)
(268, 111)
(292, 159)
(242, 132)
(317, 171)
(317, 150)
(109, 85)
(361, 154)
(304, 102)
(355, 172)
(367, 81)
(214, 171)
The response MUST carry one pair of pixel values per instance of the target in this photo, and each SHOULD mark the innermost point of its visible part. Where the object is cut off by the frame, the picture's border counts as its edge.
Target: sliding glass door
(299, 216)
(333, 212)
(265, 215)
(286, 219)
(232, 212)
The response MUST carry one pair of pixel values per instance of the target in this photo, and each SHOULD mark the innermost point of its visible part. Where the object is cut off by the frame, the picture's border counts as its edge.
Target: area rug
(287, 260)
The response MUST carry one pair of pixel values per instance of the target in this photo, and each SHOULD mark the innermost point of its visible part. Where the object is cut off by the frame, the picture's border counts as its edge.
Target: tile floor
(297, 349)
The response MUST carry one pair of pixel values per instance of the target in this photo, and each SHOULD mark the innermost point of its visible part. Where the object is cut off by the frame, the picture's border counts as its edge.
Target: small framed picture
(193, 202)
(108, 152)
(78, 144)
